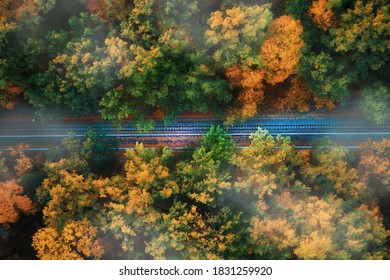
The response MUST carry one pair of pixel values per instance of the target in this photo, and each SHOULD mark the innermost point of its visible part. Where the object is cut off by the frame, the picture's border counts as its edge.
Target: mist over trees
(129, 60)
(269, 200)
(125, 59)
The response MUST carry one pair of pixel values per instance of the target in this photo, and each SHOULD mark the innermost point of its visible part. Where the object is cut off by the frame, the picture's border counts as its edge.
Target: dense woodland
(124, 60)
(210, 202)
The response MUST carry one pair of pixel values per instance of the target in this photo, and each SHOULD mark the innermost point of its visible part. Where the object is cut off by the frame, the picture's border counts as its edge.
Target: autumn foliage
(13, 202)
(125, 60)
(322, 16)
(298, 96)
(249, 83)
(76, 241)
(281, 50)
(23, 163)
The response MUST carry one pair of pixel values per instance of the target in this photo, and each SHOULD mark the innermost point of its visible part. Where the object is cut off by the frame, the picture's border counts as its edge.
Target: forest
(211, 202)
(128, 60)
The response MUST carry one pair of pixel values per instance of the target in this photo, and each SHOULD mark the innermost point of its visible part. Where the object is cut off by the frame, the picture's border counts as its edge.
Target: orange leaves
(138, 202)
(23, 163)
(249, 83)
(71, 209)
(321, 15)
(281, 50)
(12, 202)
(10, 94)
(98, 7)
(324, 102)
(297, 96)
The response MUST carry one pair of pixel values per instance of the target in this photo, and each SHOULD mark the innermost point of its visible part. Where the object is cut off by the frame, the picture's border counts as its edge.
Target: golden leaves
(281, 50)
(78, 240)
(250, 86)
(236, 31)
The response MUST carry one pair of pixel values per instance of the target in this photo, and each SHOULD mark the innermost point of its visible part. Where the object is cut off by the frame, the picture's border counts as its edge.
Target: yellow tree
(135, 200)
(318, 228)
(71, 214)
(13, 202)
(199, 224)
(235, 35)
(269, 163)
(320, 211)
(78, 240)
(281, 50)
(189, 233)
(69, 196)
(330, 172)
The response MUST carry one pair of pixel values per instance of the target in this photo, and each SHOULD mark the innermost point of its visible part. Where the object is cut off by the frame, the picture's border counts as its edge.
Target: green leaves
(362, 36)
(327, 76)
(219, 144)
(375, 102)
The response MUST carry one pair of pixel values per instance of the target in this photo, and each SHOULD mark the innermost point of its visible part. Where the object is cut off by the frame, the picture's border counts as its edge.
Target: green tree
(74, 78)
(8, 90)
(269, 163)
(363, 36)
(188, 233)
(100, 152)
(375, 102)
(95, 152)
(158, 62)
(329, 77)
(297, 8)
(200, 223)
(220, 144)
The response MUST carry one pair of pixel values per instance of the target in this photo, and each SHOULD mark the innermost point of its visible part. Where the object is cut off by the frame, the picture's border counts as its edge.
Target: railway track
(183, 132)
